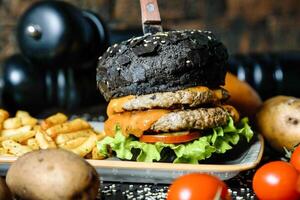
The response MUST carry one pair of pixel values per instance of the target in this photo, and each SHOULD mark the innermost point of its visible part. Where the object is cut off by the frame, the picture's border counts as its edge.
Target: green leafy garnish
(218, 140)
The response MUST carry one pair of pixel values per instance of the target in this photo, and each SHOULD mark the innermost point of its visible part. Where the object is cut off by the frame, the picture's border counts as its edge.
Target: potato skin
(52, 175)
(278, 120)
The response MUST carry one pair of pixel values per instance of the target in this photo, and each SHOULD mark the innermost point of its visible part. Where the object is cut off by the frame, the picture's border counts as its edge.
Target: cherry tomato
(171, 138)
(295, 158)
(198, 186)
(276, 180)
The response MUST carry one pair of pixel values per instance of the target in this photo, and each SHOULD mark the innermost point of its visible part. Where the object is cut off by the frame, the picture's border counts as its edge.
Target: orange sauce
(134, 123)
(116, 105)
(198, 89)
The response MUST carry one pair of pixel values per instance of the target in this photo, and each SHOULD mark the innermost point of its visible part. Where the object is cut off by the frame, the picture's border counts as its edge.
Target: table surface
(240, 188)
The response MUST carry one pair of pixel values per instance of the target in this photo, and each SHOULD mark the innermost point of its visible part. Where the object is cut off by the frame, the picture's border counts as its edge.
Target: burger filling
(193, 124)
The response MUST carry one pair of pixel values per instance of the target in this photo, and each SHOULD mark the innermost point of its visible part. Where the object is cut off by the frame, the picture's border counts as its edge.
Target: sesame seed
(209, 37)
(163, 41)
(188, 61)
(145, 45)
(115, 45)
(111, 51)
(100, 58)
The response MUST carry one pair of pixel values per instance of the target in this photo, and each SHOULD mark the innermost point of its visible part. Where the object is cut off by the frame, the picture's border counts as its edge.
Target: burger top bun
(165, 61)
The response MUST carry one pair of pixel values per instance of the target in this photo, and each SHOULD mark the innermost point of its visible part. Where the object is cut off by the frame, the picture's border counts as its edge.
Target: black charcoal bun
(165, 61)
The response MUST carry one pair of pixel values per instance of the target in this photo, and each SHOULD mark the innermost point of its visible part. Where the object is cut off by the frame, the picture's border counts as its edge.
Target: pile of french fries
(23, 133)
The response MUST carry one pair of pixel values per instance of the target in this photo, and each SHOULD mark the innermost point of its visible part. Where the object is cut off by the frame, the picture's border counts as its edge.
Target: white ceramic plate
(129, 171)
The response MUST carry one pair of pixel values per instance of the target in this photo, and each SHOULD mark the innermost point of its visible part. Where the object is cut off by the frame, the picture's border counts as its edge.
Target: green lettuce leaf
(218, 140)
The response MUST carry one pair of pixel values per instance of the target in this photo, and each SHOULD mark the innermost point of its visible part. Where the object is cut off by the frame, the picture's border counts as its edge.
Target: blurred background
(244, 26)
(263, 37)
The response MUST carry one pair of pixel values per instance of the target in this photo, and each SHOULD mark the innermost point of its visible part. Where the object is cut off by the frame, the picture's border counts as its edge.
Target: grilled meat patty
(188, 98)
(201, 118)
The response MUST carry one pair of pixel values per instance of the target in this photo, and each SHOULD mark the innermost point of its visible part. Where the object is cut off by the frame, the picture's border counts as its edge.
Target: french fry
(3, 116)
(26, 119)
(67, 127)
(100, 135)
(96, 155)
(19, 136)
(33, 144)
(11, 132)
(53, 120)
(15, 148)
(86, 147)
(3, 151)
(63, 138)
(72, 144)
(44, 141)
(12, 123)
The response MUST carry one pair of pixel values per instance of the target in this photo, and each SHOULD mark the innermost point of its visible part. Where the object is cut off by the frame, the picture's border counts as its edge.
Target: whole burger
(165, 98)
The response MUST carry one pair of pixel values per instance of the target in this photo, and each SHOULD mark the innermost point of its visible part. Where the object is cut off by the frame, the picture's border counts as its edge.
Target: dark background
(243, 25)
(262, 37)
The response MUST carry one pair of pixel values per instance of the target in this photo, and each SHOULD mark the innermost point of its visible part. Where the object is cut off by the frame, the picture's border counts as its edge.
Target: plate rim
(133, 165)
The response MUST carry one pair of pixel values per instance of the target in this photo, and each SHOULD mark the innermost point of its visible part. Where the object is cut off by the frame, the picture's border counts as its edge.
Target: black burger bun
(161, 62)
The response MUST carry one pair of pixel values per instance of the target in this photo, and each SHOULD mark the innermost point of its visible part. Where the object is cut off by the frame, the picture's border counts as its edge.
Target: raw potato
(278, 120)
(52, 174)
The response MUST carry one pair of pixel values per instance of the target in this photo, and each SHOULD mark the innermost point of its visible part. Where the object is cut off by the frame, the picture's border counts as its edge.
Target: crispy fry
(3, 115)
(3, 151)
(63, 138)
(26, 119)
(24, 133)
(44, 141)
(72, 144)
(12, 123)
(68, 127)
(96, 155)
(86, 147)
(100, 135)
(33, 144)
(53, 120)
(19, 136)
(10, 132)
(15, 148)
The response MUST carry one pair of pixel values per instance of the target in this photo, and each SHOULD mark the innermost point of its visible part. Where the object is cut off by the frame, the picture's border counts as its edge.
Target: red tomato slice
(171, 138)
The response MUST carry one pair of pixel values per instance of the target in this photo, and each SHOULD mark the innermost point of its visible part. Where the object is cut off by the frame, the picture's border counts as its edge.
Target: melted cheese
(116, 105)
(197, 89)
(134, 123)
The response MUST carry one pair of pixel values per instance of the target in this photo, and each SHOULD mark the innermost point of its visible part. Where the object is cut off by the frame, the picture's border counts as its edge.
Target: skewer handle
(150, 16)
